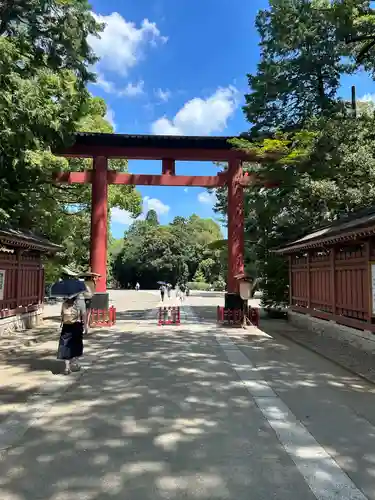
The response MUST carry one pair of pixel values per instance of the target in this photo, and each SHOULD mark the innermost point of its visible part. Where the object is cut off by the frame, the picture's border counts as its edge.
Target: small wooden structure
(21, 271)
(332, 271)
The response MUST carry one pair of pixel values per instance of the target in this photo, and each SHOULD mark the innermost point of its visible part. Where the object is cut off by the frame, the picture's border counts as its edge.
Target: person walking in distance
(162, 292)
(90, 280)
(182, 291)
(73, 326)
(137, 286)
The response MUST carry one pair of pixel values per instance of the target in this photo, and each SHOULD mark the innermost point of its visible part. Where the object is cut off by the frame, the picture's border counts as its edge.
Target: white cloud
(163, 95)
(200, 116)
(125, 218)
(110, 117)
(121, 216)
(133, 89)
(163, 126)
(122, 43)
(155, 204)
(106, 85)
(207, 198)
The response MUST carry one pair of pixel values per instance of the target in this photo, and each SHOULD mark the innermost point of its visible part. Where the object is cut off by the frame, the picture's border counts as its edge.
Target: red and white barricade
(235, 317)
(103, 317)
(169, 315)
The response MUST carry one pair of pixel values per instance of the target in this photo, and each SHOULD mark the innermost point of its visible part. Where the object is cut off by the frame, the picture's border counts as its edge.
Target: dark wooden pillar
(236, 246)
(308, 279)
(99, 216)
(332, 267)
(368, 280)
(290, 263)
(19, 278)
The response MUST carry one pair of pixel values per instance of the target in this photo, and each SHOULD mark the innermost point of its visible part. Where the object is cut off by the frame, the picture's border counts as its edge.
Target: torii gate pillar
(99, 222)
(236, 247)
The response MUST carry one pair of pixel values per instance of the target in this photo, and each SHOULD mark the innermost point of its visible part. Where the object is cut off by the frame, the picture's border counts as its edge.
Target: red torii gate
(168, 149)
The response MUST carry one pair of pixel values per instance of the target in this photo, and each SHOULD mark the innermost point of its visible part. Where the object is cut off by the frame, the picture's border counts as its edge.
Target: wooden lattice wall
(334, 283)
(24, 282)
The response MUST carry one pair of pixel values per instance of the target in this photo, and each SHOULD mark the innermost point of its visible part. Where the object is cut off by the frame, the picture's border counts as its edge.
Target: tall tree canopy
(300, 67)
(327, 166)
(45, 62)
(303, 56)
(176, 252)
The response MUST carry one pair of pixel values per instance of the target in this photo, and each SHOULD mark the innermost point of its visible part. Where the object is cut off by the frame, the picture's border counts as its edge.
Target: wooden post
(368, 280)
(99, 216)
(333, 279)
(41, 283)
(308, 281)
(19, 278)
(236, 224)
(354, 101)
(290, 261)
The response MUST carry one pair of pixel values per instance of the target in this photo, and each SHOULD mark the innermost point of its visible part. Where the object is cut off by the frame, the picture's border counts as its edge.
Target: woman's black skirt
(71, 341)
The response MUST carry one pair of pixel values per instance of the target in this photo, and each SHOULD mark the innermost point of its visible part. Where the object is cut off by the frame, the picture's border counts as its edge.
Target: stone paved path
(193, 412)
(28, 359)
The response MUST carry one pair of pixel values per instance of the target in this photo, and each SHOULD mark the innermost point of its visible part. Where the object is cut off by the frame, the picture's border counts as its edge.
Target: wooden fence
(23, 283)
(333, 284)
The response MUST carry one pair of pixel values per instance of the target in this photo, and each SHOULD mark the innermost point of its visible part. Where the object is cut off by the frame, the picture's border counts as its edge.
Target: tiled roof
(26, 239)
(152, 141)
(349, 227)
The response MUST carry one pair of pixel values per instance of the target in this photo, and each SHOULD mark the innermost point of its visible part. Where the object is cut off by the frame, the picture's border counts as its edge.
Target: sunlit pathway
(191, 413)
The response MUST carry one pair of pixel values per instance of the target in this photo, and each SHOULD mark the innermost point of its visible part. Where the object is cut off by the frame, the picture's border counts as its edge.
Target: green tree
(152, 218)
(170, 253)
(327, 162)
(45, 65)
(44, 61)
(300, 67)
(355, 21)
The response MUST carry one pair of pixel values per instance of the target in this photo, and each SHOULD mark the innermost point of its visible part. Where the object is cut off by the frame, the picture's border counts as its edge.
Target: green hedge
(199, 285)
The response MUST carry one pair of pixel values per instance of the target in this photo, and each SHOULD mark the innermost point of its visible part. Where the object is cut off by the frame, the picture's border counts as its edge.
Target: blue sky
(179, 67)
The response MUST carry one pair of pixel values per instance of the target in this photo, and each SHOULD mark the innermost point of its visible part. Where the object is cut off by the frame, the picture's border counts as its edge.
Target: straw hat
(69, 272)
(89, 274)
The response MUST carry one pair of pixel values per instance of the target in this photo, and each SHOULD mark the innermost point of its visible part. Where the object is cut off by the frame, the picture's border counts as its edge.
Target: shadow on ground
(156, 417)
(351, 358)
(162, 415)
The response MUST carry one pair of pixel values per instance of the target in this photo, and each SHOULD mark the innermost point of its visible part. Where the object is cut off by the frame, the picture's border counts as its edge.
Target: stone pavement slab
(160, 415)
(28, 406)
(193, 412)
(342, 352)
(335, 406)
(28, 361)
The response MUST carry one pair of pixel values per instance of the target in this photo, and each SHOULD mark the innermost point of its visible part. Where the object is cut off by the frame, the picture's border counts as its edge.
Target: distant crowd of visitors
(180, 289)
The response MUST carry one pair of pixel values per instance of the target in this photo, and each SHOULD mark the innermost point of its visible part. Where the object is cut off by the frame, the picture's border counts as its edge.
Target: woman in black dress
(73, 320)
